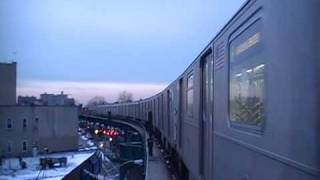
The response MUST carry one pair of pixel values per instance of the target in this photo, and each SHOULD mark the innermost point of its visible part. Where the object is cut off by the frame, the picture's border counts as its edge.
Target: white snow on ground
(88, 148)
(90, 143)
(11, 167)
(85, 144)
(84, 138)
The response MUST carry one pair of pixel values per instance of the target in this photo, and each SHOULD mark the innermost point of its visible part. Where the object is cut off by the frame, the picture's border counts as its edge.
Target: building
(24, 129)
(47, 100)
(31, 126)
(8, 83)
(56, 100)
(28, 101)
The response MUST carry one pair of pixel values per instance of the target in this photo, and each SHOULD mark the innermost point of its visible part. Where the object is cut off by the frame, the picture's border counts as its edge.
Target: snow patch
(11, 168)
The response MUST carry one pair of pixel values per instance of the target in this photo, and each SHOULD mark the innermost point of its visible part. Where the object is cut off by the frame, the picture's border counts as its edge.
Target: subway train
(248, 107)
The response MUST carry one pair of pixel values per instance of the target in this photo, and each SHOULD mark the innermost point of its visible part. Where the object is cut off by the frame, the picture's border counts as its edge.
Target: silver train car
(248, 107)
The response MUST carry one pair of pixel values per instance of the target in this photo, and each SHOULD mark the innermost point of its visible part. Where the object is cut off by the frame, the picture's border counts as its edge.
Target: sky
(101, 47)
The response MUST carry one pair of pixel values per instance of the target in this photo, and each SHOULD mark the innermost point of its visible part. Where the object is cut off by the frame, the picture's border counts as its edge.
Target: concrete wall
(8, 83)
(56, 129)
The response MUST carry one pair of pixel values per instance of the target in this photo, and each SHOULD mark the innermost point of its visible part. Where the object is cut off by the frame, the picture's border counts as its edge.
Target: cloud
(84, 91)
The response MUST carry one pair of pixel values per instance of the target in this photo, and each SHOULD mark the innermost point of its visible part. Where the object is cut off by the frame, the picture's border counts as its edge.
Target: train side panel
(282, 142)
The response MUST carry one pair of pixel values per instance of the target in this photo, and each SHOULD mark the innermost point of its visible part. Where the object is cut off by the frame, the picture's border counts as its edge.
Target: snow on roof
(11, 168)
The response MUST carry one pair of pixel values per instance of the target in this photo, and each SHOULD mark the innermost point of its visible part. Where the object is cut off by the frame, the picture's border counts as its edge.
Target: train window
(190, 95)
(247, 79)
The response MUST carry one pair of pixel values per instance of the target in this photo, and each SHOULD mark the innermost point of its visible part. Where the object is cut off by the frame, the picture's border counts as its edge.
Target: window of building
(24, 146)
(247, 77)
(24, 123)
(190, 95)
(9, 123)
(35, 126)
(9, 148)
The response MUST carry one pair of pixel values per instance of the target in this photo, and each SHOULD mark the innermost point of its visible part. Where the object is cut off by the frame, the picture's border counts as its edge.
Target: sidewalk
(157, 168)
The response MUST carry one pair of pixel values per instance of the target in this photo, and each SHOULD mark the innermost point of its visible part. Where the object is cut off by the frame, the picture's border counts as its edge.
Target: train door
(175, 114)
(159, 118)
(154, 113)
(169, 107)
(180, 110)
(211, 115)
(158, 114)
(162, 113)
(204, 117)
(150, 122)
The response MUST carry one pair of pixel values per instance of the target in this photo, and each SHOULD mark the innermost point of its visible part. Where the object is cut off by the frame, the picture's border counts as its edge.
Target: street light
(96, 131)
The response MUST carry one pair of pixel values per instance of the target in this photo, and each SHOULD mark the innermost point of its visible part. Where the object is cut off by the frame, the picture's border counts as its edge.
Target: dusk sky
(101, 47)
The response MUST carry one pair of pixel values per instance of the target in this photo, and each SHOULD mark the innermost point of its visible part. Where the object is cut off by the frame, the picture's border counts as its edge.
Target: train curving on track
(248, 107)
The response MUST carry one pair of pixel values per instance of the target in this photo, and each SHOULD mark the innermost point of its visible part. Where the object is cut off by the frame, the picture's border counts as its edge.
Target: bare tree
(97, 100)
(125, 96)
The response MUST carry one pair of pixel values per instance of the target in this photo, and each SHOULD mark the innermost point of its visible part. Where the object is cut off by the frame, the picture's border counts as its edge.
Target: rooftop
(11, 168)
